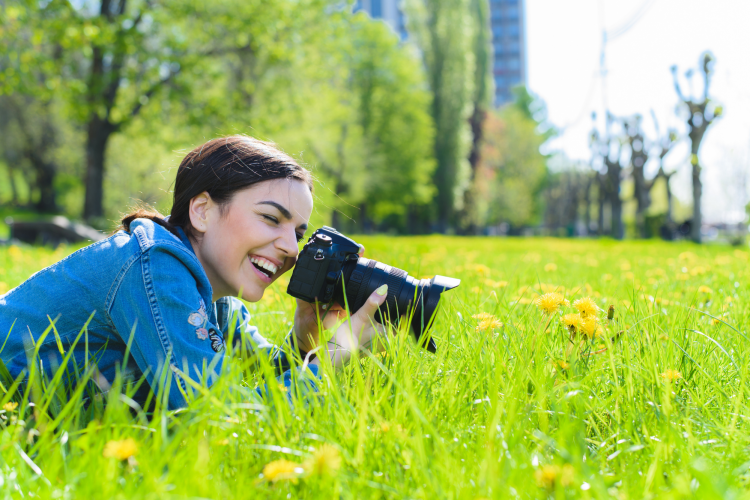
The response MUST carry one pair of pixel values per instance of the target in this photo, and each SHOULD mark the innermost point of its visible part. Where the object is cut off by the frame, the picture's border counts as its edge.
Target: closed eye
(271, 218)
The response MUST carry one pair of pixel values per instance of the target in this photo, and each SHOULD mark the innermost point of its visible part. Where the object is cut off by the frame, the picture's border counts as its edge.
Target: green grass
(522, 410)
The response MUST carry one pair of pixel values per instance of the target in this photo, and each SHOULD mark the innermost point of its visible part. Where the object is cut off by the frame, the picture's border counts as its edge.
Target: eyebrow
(283, 210)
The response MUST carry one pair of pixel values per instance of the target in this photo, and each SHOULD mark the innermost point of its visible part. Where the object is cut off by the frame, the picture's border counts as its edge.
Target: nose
(287, 243)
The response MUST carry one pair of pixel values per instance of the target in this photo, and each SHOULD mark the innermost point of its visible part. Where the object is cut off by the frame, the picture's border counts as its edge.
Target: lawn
(642, 397)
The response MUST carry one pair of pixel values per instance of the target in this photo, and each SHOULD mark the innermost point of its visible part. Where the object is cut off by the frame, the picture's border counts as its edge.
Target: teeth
(264, 264)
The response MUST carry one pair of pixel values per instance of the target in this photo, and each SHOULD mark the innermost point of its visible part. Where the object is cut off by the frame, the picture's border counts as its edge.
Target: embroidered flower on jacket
(202, 333)
(199, 319)
(195, 319)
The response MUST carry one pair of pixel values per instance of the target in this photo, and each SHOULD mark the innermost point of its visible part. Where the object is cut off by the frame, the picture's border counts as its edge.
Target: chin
(253, 293)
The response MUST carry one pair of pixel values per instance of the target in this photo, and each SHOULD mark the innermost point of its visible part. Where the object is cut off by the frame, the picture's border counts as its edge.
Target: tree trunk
(602, 198)
(697, 194)
(587, 205)
(45, 179)
(641, 202)
(14, 201)
(667, 178)
(99, 132)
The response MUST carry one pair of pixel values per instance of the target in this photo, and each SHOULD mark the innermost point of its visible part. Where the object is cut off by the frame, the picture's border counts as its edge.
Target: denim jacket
(147, 283)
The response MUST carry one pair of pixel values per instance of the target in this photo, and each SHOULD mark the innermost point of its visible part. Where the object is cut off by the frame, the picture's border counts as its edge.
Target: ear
(199, 211)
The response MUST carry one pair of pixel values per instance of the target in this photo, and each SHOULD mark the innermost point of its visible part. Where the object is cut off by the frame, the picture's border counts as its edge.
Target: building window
(512, 29)
(497, 32)
(513, 64)
(511, 13)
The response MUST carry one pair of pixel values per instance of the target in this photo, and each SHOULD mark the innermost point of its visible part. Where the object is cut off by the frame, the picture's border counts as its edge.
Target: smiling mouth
(263, 270)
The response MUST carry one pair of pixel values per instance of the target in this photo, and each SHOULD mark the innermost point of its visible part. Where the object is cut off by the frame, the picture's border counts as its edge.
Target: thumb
(367, 312)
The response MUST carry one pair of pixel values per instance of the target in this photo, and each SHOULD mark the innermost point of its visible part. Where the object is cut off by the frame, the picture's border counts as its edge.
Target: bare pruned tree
(701, 113)
(608, 163)
(636, 142)
(664, 144)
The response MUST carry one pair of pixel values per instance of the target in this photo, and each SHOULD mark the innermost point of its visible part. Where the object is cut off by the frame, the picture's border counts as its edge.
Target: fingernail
(382, 290)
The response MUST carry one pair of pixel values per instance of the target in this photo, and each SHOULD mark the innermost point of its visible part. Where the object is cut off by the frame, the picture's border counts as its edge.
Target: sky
(564, 42)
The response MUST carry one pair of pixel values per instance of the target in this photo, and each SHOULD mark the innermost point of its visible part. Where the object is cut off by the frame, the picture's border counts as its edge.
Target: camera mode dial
(323, 240)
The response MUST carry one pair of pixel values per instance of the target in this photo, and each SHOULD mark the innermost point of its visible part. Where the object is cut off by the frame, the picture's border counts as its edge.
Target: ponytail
(146, 213)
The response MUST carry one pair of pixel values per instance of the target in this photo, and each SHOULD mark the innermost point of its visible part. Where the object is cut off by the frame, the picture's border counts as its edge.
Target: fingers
(367, 312)
(361, 250)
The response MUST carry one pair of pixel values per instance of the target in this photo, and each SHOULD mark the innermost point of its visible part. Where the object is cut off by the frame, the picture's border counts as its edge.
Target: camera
(329, 269)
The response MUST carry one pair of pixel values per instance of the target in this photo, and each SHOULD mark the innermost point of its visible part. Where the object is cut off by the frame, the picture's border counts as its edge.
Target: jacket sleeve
(233, 316)
(160, 304)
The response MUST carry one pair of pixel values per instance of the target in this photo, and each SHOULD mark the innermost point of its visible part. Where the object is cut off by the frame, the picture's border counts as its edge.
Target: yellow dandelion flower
(549, 476)
(481, 269)
(671, 375)
(550, 267)
(325, 461)
(121, 450)
(524, 300)
(572, 322)
(282, 470)
(590, 327)
(705, 289)
(476, 289)
(586, 307)
(491, 323)
(550, 303)
(607, 277)
(10, 406)
(14, 252)
(563, 365)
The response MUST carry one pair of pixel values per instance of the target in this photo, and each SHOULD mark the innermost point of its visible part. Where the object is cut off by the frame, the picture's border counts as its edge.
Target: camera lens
(363, 276)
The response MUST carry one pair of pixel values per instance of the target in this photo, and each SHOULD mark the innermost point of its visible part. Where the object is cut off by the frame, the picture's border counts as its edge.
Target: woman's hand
(363, 329)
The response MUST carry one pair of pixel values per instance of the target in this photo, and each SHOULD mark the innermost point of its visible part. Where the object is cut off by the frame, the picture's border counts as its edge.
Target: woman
(161, 290)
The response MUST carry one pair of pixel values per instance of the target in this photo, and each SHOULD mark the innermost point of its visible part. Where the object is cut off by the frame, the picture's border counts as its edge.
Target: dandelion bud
(611, 312)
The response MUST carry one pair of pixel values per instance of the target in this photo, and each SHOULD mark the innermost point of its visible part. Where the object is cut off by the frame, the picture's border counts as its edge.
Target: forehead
(292, 194)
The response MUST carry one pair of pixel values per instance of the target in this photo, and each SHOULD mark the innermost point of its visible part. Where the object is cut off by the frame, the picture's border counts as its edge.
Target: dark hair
(222, 167)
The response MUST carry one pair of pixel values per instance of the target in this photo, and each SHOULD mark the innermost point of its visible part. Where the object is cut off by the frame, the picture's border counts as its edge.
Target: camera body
(320, 264)
(329, 269)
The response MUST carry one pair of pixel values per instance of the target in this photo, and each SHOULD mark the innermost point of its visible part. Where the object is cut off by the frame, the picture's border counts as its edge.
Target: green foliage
(654, 407)
(333, 88)
(512, 169)
(445, 31)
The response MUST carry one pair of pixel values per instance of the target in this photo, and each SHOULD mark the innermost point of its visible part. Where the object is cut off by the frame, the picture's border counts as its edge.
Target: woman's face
(255, 240)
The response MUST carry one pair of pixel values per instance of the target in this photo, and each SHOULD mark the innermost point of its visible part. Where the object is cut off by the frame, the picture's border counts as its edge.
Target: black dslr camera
(328, 267)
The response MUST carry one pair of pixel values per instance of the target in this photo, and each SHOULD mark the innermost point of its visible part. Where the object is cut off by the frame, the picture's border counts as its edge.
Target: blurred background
(584, 118)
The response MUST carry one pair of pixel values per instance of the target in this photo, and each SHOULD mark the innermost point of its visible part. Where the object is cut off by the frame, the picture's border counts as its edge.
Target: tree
(445, 32)
(664, 145)
(700, 115)
(512, 170)
(115, 58)
(373, 135)
(36, 139)
(609, 165)
(636, 142)
(482, 96)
